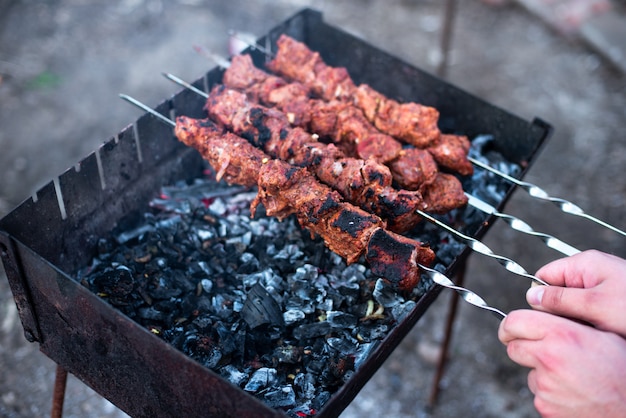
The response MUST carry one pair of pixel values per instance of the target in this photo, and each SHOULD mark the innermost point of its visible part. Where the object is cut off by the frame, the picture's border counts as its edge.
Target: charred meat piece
(450, 151)
(392, 255)
(231, 156)
(285, 190)
(416, 170)
(444, 194)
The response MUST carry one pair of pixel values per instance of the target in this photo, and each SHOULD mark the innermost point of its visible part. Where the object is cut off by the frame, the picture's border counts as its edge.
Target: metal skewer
(481, 248)
(437, 277)
(466, 294)
(537, 192)
(521, 226)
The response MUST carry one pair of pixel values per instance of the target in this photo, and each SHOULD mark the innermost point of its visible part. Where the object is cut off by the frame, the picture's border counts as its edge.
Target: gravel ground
(63, 63)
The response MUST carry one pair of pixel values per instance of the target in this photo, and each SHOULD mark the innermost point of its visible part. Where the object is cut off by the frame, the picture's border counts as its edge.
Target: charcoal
(385, 294)
(401, 310)
(338, 319)
(369, 332)
(343, 345)
(114, 283)
(305, 385)
(233, 375)
(308, 331)
(262, 378)
(207, 285)
(260, 308)
(292, 316)
(281, 397)
(287, 354)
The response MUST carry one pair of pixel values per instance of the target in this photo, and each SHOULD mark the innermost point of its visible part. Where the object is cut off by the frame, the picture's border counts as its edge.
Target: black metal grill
(44, 244)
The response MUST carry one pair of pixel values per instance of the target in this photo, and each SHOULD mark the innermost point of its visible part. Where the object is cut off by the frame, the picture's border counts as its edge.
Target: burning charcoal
(260, 308)
(233, 375)
(287, 354)
(305, 385)
(335, 368)
(207, 285)
(363, 352)
(262, 378)
(202, 347)
(343, 345)
(338, 319)
(307, 331)
(292, 316)
(320, 400)
(385, 295)
(281, 397)
(401, 310)
(249, 264)
(369, 332)
(114, 283)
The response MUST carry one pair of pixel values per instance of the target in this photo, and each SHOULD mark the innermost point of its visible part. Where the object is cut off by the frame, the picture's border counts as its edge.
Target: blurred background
(63, 63)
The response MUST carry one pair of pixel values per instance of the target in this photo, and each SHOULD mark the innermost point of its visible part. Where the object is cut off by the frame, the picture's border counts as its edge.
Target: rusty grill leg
(58, 396)
(443, 355)
(446, 36)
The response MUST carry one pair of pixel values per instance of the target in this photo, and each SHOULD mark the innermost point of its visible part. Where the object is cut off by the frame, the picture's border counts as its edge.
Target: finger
(526, 324)
(532, 381)
(524, 352)
(569, 302)
(585, 269)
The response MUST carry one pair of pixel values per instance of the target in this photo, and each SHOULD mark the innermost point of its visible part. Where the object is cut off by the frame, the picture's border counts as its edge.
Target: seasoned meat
(450, 151)
(415, 170)
(365, 183)
(288, 190)
(444, 194)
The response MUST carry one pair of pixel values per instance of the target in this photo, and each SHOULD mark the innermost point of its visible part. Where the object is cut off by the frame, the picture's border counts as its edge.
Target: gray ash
(258, 301)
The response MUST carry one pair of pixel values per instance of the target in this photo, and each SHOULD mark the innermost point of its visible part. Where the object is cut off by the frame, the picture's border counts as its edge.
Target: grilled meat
(412, 123)
(412, 169)
(366, 183)
(285, 189)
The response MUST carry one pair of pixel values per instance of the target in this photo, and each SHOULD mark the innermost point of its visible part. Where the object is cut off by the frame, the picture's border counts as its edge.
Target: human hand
(577, 370)
(590, 287)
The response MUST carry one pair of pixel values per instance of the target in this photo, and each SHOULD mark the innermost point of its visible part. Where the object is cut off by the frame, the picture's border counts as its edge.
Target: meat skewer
(410, 122)
(412, 168)
(364, 183)
(285, 190)
(442, 195)
(513, 222)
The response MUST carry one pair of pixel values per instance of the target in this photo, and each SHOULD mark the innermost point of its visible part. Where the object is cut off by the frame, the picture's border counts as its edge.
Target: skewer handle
(521, 226)
(466, 294)
(538, 193)
(483, 249)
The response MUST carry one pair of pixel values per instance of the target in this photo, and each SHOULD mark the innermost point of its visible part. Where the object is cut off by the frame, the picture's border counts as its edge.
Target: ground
(63, 63)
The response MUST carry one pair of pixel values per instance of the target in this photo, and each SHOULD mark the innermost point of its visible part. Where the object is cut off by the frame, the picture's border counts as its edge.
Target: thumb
(569, 302)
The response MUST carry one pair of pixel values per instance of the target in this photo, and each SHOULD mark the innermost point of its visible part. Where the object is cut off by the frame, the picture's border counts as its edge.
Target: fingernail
(534, 295)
